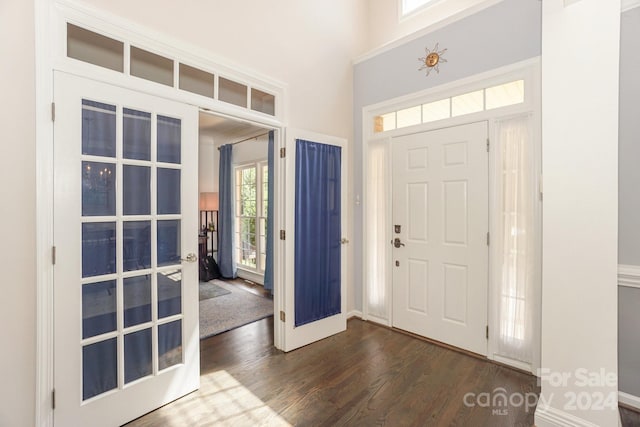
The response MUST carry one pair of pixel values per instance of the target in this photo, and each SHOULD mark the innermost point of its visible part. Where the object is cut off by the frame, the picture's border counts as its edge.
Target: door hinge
(488, 238)
(53, 399)
(283, 152)
(283, 235)
(53, 255)
(488, 144)
(540, 185)
(282, 316)
(53, 111)
(487, 331)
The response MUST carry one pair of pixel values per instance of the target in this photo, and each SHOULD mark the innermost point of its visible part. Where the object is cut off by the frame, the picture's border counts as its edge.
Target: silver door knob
(397, 243)
(190, 258)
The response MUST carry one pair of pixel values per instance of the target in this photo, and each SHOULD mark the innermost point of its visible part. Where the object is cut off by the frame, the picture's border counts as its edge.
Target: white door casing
(173, 371)
(295, 337)
(440, 202)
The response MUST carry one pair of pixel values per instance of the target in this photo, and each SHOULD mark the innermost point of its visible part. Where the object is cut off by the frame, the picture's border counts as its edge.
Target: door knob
(191, 257)
(344, 241)
(397, 243)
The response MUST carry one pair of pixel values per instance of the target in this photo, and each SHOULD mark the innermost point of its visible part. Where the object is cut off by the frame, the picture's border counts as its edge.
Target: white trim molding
(629, 399)
(427, 30)
(355, 313)
(629, 4)
(547, 416)
(629, 276)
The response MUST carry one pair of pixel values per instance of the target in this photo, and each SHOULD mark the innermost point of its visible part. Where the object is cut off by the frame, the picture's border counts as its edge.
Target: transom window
(489, 98)
(98, 49)
(410, 6)
(251, 216)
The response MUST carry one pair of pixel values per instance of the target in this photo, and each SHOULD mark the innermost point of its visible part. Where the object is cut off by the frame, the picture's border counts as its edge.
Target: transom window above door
(410, 6)
(122, 57)
(488, 98)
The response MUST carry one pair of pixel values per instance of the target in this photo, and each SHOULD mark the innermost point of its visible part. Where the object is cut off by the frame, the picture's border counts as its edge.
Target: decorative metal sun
(432, 59)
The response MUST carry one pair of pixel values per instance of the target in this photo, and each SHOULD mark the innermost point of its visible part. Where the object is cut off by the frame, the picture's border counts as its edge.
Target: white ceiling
(221, 130)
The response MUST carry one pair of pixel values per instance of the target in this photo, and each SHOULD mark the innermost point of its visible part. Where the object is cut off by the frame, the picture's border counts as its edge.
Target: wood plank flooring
(366, 376)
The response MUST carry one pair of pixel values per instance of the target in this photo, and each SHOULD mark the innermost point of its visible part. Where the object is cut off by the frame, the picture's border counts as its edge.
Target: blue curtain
(268, 268)
(317, 231)
(225, 215)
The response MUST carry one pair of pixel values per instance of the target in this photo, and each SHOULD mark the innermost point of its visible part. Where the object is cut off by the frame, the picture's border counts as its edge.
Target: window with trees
(251, 215)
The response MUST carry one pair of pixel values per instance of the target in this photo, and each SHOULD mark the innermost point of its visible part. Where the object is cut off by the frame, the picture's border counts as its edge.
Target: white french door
(125, 231)
(315, 238)
(440, 225)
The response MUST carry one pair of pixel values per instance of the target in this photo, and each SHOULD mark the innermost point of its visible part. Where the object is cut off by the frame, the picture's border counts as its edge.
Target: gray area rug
(236, 308)
(211, 290)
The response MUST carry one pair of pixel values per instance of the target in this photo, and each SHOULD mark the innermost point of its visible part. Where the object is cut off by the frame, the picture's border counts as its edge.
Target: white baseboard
(551, 417)
(378, 320)
(354, 313)
(249, 275)
(629, 399)
(515, 363)
(629, 276)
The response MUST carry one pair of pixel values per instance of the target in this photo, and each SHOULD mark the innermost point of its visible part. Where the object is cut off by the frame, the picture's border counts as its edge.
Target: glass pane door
(122, 162)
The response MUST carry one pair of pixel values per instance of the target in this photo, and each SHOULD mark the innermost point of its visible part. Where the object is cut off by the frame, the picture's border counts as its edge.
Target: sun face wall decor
(432, 59)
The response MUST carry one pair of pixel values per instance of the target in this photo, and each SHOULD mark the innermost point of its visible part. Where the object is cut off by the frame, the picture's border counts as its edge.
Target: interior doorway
(228, 301)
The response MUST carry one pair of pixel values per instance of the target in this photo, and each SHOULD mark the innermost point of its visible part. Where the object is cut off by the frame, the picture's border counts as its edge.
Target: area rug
(211, 290)
(229, 311)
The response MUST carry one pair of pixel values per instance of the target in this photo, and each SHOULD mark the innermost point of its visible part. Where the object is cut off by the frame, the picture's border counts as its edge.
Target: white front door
(315, 283)
(440, 221)
(125, 228)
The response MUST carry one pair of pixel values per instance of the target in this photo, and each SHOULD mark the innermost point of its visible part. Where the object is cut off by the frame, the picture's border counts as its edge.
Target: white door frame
(529, 71)
(50, 16)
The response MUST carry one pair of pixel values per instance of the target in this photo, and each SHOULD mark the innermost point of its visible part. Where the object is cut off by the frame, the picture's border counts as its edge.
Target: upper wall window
(410, 6)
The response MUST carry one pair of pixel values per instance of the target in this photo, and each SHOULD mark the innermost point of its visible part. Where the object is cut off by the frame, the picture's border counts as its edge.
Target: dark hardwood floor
(629, 417)
(366, 376)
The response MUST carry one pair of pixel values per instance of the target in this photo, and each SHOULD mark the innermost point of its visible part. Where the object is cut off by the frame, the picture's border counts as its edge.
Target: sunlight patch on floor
(229, 403)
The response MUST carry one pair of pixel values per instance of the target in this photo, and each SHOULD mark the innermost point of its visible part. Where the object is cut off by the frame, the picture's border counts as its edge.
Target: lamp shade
(208, 201)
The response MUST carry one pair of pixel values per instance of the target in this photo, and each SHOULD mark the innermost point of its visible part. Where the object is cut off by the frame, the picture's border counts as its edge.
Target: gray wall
(629, 145)
(503, 34)
(629, 202)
